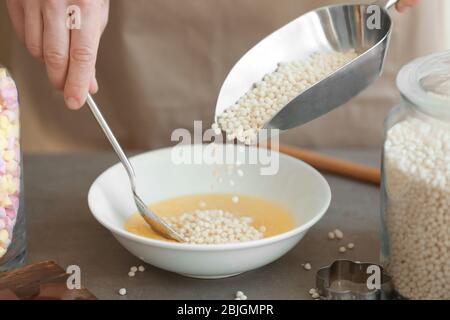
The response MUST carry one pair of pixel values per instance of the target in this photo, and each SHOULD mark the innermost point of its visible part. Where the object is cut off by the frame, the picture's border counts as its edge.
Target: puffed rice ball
(215, 227)
(250, 113)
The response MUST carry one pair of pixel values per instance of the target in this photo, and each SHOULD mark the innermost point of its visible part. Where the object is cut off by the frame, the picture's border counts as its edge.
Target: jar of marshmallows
(12, 219)
(416, 182)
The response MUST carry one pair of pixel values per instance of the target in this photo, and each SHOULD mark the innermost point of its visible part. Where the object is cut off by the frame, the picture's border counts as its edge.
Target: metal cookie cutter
(349, 280)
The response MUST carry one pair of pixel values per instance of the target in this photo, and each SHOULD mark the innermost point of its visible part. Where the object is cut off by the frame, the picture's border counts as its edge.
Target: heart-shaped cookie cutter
(350, 280)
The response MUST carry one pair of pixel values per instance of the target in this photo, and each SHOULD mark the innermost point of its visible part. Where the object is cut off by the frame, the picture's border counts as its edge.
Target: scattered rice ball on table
(417, 215)
(247, 116)
(338, 234)
(307, 266)
(240, 296)
(314, 294)
(214, 227)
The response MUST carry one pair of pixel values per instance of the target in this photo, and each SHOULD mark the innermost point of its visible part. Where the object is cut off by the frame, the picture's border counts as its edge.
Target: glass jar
(416, 182)
(12, 215)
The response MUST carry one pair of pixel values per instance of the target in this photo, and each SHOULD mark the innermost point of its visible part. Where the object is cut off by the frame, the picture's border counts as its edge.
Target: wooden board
(41, 281)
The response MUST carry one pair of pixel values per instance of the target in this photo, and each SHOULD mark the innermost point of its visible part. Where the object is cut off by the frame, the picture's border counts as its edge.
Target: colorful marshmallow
(9, 159)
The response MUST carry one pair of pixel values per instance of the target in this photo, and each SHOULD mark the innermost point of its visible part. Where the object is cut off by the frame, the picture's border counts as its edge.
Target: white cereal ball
(141, 268)
(250, 113)
(239, 294)
(351, 245)
(339, 234)
(122, 291)
(133, 269)
(131, 274)
(312, 291)
(307, 266)
(216, 227)
(331, 235)
(342, 249)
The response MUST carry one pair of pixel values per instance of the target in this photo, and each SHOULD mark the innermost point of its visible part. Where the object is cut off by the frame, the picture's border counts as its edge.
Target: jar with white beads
(416, 182)
(12, 219)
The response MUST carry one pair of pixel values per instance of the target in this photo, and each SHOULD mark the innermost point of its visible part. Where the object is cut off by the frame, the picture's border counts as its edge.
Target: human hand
(69, 55)
(402, 5)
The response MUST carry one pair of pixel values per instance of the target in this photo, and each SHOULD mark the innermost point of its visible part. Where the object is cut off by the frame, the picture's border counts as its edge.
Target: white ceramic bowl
(297, 186)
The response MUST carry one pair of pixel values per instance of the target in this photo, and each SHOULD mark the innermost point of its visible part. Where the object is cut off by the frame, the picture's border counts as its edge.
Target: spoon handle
(150, 217)
(112, 139)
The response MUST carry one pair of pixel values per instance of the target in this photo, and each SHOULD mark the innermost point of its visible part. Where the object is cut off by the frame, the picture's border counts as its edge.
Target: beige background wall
(5, 35)
(162, 63)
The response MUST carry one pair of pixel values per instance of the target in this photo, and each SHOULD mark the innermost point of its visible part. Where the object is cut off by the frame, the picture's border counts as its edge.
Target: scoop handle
(386, 4)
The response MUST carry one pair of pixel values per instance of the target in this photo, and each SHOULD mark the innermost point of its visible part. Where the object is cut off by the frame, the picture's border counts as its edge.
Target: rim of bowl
(215, 247)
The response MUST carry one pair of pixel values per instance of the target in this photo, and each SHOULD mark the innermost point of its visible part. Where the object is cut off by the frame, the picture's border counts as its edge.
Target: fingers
(56, 44)
(16, 14)
(33, 28)
(83, 55)
(69, 55)
(402, 5)
(93, 87)
(105, 14)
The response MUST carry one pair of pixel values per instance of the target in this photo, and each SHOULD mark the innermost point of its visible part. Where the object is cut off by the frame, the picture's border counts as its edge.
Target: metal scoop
(365, 28)
(155, 222)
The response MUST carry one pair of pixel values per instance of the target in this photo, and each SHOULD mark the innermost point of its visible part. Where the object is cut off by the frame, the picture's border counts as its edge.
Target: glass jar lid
(425, 82)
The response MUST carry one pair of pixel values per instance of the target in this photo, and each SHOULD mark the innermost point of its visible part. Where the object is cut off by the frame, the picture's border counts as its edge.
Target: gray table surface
(61, 228)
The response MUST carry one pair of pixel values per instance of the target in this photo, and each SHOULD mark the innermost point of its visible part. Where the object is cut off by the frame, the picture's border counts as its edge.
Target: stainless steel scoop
(155, 222)
(340, 28)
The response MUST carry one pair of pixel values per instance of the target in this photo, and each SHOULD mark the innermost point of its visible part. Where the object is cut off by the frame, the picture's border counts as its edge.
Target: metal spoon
(155, 222)
(337, 27)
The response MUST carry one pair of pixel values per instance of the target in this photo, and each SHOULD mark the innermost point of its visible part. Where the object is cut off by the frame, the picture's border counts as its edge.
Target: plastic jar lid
(425, 82)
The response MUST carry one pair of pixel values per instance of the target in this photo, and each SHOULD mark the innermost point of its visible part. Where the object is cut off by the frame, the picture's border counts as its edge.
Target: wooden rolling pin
(334, 165)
